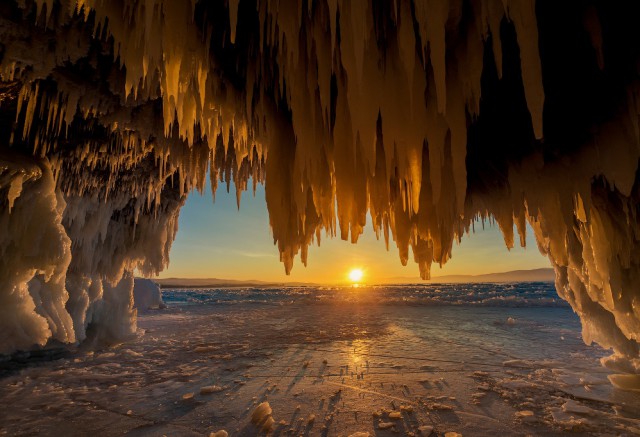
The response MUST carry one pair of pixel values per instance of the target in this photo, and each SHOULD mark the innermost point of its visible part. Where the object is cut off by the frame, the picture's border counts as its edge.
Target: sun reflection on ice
(358, 353)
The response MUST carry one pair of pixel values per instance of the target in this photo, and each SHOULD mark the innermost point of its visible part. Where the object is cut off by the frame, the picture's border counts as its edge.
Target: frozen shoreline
(472, 370)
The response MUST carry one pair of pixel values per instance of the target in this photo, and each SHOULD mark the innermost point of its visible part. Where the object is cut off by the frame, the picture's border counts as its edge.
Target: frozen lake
(480, 359)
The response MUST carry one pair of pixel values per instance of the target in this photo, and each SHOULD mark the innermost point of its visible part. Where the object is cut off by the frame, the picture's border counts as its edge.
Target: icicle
(523, 14)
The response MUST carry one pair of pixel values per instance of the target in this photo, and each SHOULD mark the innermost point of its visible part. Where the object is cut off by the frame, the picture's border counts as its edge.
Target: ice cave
(425, 114)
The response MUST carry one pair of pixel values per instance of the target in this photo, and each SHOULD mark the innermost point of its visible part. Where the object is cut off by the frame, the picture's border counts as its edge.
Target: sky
(215, 240)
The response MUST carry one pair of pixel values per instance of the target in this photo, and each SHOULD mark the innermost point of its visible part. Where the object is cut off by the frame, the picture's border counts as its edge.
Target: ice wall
(35, 253)
(422, 114)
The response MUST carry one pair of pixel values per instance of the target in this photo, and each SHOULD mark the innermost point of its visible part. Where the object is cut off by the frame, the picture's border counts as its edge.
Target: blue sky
(218, 241)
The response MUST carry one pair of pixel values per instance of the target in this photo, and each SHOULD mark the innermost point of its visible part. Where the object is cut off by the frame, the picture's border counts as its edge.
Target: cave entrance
(457, 357)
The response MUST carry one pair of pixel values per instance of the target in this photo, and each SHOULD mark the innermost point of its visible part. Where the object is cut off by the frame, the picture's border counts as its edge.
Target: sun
(355, 275)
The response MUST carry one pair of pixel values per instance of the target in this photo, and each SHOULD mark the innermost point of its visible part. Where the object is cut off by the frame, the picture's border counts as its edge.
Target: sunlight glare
(355, 275)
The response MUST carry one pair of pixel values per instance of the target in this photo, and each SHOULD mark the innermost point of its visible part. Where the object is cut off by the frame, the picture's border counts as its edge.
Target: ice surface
(572, 406)
(424, 115)
(456, 348)
(532, 294)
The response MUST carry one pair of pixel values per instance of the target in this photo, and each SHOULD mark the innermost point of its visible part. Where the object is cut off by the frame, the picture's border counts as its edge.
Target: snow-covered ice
(234, 360)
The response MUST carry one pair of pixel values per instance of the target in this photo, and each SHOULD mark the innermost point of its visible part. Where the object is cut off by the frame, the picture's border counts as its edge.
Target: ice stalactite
(594, 253)
(424, 115)
(590, 234)
(128, 233)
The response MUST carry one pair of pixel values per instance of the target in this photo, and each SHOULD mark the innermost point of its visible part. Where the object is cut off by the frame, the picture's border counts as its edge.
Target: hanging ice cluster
(424, 114)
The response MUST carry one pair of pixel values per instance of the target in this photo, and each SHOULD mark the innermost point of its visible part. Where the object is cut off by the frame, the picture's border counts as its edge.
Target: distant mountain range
(222, 283)
(535, 275)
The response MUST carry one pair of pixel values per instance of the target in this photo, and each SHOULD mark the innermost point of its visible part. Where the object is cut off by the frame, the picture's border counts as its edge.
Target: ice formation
(262, 418)
(146, 295)
(426, 115)
(209, 389)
